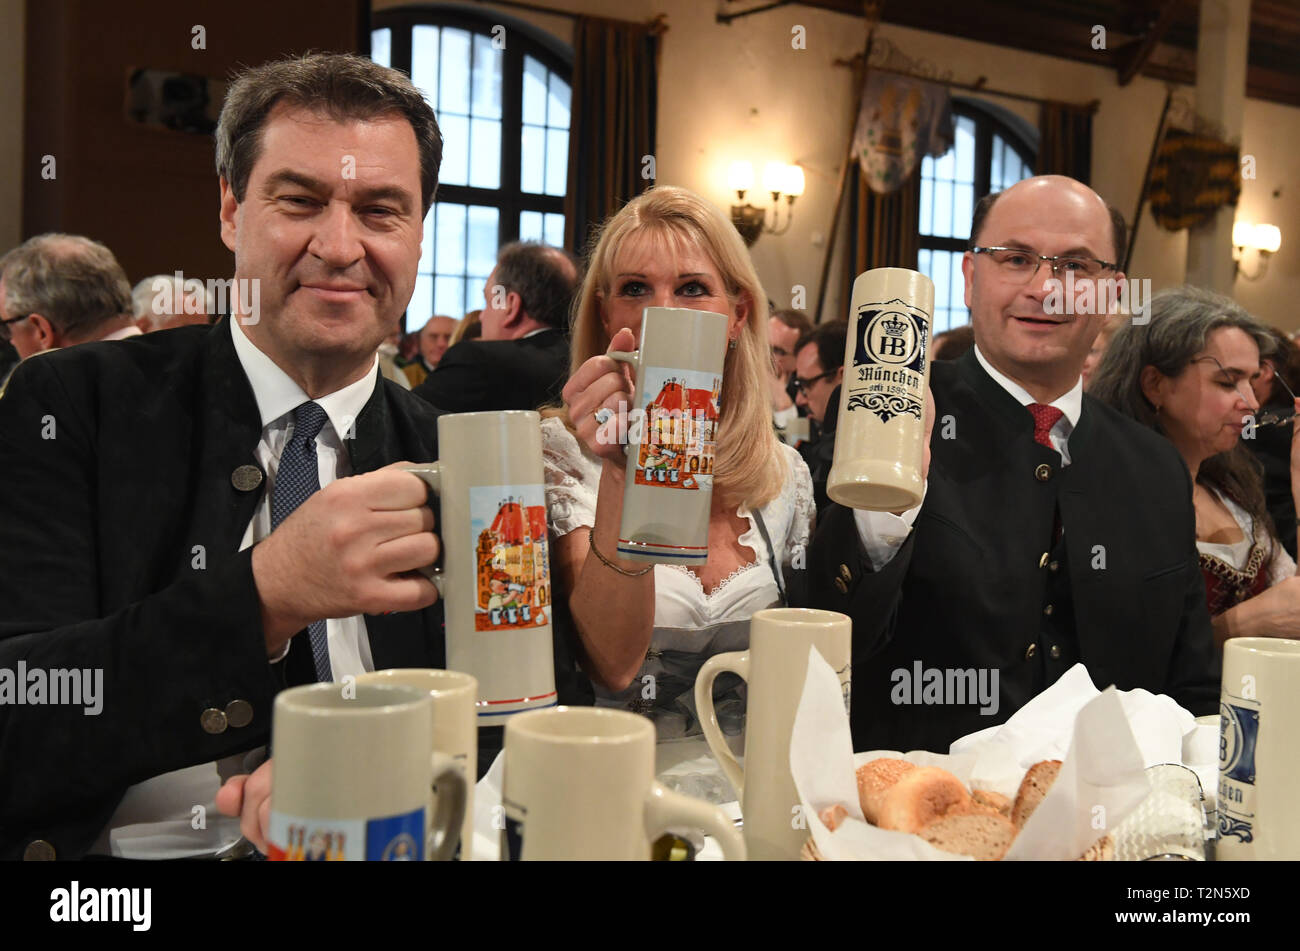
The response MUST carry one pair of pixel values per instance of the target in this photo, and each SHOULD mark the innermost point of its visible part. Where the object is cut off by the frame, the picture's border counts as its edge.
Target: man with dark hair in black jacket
(521, 361)
(195, 519)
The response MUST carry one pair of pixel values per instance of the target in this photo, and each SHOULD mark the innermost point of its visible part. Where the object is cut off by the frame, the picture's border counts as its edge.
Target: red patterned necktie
(1045, 418)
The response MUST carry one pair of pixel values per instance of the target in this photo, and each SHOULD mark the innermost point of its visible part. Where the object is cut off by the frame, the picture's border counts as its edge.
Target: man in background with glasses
(819, 369)
(57, 290)
(1047, 536)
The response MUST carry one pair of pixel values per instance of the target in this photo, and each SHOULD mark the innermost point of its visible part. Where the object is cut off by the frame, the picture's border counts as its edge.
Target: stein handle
(666, 810)
(737, 662)
(448, 786)
(431, 474)
(632, 359)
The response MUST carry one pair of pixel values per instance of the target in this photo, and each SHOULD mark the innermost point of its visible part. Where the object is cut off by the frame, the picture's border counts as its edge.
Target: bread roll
(1103, 850)
(875, 779)
(921, 796)
(833, 816)
(1033, 788)
(998, 803)
(987, 838)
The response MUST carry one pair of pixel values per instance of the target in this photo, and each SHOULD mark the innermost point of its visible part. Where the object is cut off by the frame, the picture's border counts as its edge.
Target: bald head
(1080, 203)
(1020, 327)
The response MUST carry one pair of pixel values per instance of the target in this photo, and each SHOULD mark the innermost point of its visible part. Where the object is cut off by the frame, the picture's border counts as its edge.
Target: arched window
(501, 93)
(988, 155)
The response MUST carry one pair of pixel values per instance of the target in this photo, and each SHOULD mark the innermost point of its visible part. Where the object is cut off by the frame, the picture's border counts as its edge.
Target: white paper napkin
(1101, 781)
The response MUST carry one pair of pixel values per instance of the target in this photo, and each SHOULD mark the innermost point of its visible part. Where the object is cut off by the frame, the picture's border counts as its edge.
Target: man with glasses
(1047, 536)
(819, 369)
(62, 289)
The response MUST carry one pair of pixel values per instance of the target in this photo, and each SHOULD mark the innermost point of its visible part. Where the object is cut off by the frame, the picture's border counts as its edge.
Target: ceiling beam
(1133, 56)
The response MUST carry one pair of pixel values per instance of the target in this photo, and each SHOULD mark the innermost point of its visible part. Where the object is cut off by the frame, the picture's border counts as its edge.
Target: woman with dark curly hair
(1187, 374)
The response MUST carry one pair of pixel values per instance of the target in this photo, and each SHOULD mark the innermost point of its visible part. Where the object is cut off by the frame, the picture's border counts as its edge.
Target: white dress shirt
(156, 818)
(130, 330)
(883, 533)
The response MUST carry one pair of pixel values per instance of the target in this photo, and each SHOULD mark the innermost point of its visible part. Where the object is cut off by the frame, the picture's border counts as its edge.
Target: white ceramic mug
(1259, 750)
(496, 575)
(455, 725)
(579, 783)
(880, 433)
(672, 435)
(353, 777)
(774, 667)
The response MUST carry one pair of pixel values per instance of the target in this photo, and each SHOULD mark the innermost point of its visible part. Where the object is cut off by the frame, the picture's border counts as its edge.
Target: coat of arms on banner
(1193, 176)
(901, 120)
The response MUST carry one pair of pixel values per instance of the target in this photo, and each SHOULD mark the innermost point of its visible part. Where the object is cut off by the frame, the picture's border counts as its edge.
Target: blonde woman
(644, 631)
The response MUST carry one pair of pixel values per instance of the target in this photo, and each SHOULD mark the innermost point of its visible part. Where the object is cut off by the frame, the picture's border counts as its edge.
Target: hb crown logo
(892, 334)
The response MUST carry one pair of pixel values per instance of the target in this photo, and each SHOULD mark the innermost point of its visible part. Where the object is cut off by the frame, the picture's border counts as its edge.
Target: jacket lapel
(230, 483)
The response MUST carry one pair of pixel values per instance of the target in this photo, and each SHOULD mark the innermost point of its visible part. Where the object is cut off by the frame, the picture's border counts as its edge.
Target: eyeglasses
(5, 333)
(1019, 265)
(800, 384)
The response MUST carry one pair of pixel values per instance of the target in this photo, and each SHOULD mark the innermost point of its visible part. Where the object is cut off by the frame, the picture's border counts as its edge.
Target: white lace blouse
(690, 626)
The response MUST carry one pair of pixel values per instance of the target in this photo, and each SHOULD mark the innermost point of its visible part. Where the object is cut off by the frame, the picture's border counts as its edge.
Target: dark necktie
(1045, 417)
(296, 478)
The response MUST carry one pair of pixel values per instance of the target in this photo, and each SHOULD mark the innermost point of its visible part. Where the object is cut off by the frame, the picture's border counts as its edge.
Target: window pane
(957, 289)
(449, 296)
(532, 159)
(927, 204)
(450, 239)
(965, 147)
(420, 310)
(963, 206)
(534, 91)
(474, 293)
(945, 166)
(555, 230)
(941, 276)
(943, 208)
(424, 62)
(482, 240)
(427, 244)
(485, 153)
(530, 226)
(381, 46)
(453, 76)
(455, 150)
(557, 161)
(487, 78)
(923, 263)
(558, 112)
(995, 169)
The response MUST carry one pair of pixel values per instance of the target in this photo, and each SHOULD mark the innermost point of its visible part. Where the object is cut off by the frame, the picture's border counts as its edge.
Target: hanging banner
(901, 120)
(1193, 176)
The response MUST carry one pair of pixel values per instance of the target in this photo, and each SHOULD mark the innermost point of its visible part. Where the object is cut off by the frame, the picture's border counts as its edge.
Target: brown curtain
(615, 106)
(884, 230)
(1065, 140)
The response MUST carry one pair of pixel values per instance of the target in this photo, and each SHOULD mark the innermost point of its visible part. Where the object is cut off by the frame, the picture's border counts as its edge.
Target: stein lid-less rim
(367, 700)
(1267, 646)
(807, 616)
(580, 726)
(425, 679)
(493, 414)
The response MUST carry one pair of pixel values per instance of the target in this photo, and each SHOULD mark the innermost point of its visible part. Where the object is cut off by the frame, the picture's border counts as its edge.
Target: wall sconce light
(1264, 239)
(778, 179)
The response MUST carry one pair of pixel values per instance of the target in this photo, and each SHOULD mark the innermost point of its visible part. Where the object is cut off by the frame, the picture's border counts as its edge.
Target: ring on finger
(603, 415)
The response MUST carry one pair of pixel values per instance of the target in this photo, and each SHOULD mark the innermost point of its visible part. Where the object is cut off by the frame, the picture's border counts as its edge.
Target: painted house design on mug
(512, 567)
(680, 428)
(390, 839)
